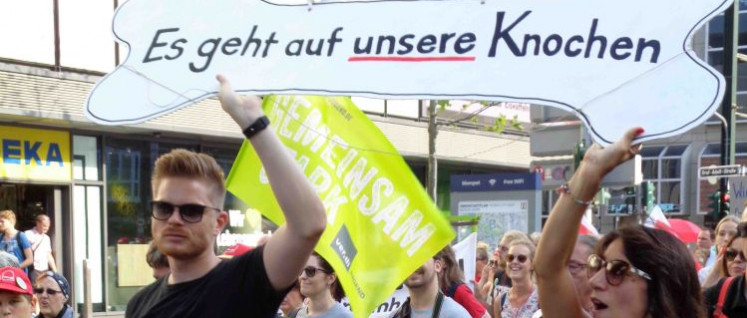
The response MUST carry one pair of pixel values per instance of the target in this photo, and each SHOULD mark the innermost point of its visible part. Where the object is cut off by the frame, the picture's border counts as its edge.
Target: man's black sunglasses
(190, 212)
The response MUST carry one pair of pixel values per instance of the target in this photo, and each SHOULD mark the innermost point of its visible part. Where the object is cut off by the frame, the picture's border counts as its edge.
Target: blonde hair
(728, 218)
(513, 235)
(8, 215)
(185, 163)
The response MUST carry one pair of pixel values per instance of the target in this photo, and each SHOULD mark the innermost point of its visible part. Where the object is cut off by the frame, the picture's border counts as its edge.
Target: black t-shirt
(735, 305)
(236, 288)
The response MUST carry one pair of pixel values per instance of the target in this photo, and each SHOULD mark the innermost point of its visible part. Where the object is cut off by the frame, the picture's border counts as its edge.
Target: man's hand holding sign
(290, 187)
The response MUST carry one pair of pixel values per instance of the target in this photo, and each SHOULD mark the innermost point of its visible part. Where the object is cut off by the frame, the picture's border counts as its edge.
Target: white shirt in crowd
(41, 245)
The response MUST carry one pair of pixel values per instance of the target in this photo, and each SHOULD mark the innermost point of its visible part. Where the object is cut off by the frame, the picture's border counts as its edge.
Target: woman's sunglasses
(190, 213)
(731, 254)
(615, 270)
(520, 258)
(310, 271)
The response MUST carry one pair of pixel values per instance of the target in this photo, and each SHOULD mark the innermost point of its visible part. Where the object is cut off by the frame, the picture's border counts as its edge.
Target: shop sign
(613, 65)
(495, 182)
(34, 154)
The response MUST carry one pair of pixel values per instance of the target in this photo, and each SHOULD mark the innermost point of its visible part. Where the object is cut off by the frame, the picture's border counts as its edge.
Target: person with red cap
(16, 294)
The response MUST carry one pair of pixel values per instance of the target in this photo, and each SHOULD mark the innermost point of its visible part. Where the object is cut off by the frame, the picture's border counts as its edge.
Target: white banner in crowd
(738, 196)
(466, 251)
(614, 64)
(388, 307)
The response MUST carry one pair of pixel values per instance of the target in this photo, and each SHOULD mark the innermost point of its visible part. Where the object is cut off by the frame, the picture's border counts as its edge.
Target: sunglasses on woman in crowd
(615, 270)
(520, 258)
(310, 271)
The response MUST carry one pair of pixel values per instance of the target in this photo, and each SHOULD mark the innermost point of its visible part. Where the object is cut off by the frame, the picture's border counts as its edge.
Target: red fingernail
(639, 131)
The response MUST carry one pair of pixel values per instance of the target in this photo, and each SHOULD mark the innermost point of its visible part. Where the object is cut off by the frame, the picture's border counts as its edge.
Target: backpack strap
(18, 241)
(722, 298)
(437, 306)
(452, 289)
(404, 310)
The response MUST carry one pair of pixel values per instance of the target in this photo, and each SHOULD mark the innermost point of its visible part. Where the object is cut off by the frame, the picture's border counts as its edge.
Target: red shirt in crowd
(464, 297)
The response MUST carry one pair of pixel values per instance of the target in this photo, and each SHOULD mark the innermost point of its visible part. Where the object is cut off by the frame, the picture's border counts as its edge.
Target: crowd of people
(30, 285)
(632, 271)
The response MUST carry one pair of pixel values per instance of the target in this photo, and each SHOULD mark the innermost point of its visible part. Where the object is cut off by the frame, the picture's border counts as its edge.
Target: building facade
(671, 164)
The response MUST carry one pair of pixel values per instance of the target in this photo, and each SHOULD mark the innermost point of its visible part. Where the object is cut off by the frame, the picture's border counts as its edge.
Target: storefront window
(87, 240)
(129, 164)
(85, 158)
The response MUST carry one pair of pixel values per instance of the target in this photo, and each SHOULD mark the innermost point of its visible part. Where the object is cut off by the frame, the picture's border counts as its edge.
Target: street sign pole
(731, 42)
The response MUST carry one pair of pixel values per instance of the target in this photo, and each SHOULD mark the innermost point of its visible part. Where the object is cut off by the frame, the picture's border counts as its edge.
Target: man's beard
(424, 281)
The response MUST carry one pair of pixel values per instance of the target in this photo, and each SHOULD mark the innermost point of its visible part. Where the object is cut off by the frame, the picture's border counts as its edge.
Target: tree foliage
(498, 125)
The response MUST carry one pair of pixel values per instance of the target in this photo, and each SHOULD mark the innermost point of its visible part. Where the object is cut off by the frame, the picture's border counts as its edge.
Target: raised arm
(557, 294)
(286, 252)
(715, 274)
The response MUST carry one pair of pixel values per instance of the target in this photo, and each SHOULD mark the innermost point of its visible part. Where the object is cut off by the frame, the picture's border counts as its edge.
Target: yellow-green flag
(381, 223)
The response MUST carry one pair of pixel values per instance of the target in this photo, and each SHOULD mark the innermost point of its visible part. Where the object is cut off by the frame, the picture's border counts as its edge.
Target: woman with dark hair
(451, 282)
(731, 292)
(322, 289)
(636, 272)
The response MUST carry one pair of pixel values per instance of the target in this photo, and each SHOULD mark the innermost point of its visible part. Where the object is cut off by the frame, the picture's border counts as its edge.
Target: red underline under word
(411, 59)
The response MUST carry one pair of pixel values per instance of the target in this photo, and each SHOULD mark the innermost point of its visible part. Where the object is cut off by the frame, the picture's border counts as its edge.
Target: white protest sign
(738, 196)
(389, 306)
(614, 64)
(465, 252)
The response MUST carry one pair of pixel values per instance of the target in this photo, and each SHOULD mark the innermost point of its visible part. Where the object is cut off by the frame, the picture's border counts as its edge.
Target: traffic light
(715, 204)
(726, 203)
(649, 195)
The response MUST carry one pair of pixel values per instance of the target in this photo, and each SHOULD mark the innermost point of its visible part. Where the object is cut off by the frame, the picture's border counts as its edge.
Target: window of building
(714, 43)
(29, 26)
(663, 166)
(86, 158)
(711, 156)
